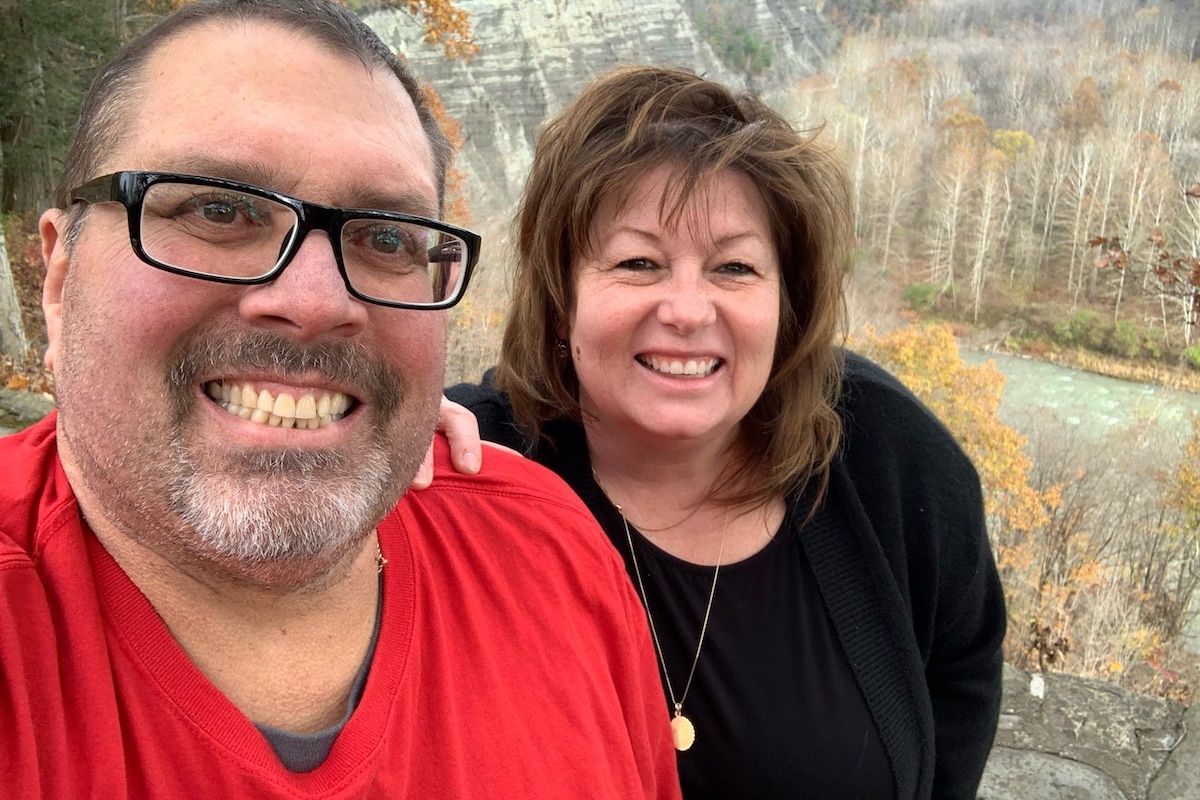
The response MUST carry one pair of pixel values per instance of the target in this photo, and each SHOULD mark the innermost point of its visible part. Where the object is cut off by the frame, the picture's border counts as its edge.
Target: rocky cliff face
(536, 55)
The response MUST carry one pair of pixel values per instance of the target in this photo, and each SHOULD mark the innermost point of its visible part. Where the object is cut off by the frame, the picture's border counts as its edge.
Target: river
(1131, 432)
(1093, 406)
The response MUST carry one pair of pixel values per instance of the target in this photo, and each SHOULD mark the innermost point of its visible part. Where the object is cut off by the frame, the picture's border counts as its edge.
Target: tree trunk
(12, 334)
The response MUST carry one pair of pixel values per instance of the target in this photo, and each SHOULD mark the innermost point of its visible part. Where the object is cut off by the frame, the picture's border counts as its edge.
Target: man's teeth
(282, 410)
(699, 367)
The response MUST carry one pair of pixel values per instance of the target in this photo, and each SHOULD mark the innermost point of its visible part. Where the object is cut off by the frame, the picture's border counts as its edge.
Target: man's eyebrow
(405, 202)
(261, 173)
(258, 173)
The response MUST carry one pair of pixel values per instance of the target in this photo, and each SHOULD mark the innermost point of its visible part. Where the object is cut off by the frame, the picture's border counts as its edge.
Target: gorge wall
(535, 56)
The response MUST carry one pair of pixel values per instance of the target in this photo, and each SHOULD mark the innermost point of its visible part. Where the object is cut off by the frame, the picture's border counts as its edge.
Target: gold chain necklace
(683, 732)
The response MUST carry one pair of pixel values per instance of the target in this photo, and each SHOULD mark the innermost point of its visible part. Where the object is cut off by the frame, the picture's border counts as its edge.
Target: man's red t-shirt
(512, 659)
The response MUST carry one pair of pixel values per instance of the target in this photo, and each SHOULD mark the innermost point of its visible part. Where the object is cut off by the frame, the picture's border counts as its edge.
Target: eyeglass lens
(224, 233)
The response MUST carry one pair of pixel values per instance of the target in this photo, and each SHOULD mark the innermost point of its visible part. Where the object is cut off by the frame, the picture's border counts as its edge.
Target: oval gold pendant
(683, 732)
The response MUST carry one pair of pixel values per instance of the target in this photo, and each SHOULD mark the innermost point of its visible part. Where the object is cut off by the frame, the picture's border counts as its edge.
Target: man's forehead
(257, 102)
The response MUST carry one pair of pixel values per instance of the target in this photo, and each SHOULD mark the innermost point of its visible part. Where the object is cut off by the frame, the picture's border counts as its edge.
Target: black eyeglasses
(231, 232)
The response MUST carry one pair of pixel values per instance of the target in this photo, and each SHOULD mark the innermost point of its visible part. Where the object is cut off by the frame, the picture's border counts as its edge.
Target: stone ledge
(1062, 737)
(21, 409)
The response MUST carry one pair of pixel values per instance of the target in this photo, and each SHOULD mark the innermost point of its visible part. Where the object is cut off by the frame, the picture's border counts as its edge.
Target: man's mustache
(342, 363)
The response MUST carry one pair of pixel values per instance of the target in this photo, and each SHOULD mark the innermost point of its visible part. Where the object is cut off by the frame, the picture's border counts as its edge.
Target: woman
(808, 541)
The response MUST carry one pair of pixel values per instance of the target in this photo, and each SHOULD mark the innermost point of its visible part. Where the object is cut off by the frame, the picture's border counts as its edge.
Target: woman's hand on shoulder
(462, 432)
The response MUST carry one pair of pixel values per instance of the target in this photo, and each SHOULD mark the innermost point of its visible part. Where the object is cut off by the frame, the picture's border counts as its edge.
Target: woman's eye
(737, 268)
(637, 264)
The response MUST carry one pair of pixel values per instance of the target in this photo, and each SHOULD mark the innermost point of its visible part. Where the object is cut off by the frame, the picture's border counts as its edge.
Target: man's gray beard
(278, 507)
(284, 505)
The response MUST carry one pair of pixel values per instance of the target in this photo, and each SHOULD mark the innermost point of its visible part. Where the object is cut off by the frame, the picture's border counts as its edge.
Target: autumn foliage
(456, 210)
(986, 148)
(445, 23)
(1096, 583)
(967, 399)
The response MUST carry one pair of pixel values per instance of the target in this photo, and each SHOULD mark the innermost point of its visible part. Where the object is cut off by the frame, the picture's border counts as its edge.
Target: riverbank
(1002, 340)
(1178, 378)
(1044, 399)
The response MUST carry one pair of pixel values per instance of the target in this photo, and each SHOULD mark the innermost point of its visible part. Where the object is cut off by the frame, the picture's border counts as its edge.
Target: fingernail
(470, 462)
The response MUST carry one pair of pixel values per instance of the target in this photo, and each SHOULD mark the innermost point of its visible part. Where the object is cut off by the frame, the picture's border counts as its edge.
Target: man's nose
(308, 299)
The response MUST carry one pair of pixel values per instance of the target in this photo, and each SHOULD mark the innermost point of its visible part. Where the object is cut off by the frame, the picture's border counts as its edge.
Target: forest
(1026, 176)
(1030, 166)
(1029, 175)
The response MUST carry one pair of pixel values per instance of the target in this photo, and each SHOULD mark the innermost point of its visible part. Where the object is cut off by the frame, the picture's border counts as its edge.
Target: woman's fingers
(462, 432)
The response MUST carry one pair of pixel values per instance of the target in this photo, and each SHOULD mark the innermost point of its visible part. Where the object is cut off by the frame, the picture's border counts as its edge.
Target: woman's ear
(53, 228)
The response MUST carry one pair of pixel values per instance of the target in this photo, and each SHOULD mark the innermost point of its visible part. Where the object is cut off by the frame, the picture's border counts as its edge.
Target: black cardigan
(910, 582)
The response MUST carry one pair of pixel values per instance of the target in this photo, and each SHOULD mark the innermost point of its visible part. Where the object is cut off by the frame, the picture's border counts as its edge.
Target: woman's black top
(776, 708)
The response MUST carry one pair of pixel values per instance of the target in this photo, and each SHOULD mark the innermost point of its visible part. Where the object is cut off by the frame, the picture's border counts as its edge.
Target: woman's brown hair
(624, 125)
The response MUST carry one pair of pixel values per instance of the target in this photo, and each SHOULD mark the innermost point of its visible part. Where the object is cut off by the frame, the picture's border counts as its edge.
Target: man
(207, 588)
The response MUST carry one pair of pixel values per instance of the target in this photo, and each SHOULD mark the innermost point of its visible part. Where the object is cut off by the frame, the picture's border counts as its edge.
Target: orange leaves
(27, 374)
(908, 73)
(450, 126)
(1182, 487)
(445, 24)
(457, 209)
(1112, 254)
(967, 399)
(962, 126)
(1086, 109)
(1175, 274)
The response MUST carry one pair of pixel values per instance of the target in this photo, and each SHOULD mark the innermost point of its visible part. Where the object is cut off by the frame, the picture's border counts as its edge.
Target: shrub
(1193, 355)
(921, 296)
(1126, 339)
(1081, 329)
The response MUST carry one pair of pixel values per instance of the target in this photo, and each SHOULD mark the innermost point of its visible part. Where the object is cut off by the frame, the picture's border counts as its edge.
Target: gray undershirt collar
(304, 752)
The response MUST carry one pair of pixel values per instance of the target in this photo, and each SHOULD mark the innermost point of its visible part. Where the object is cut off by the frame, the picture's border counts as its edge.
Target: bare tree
(12, 334)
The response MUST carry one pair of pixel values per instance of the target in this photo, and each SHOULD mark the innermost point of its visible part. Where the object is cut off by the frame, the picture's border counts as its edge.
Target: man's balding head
(112, 99)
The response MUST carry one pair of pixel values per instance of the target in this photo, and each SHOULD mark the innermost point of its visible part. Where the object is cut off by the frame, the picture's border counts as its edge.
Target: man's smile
(301, 409)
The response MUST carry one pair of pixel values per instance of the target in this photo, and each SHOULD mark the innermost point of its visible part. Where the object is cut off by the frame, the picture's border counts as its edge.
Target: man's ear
(53, 228)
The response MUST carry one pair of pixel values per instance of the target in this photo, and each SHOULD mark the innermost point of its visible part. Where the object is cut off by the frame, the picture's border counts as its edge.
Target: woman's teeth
(281, 410)
(692, 367)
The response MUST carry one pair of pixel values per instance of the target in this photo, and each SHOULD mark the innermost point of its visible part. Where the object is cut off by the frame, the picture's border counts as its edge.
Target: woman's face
(673, 330)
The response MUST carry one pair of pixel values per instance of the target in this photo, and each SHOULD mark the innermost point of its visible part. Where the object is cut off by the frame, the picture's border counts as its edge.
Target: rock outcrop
(1067, 738)
(535, 56)
(19, 410)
